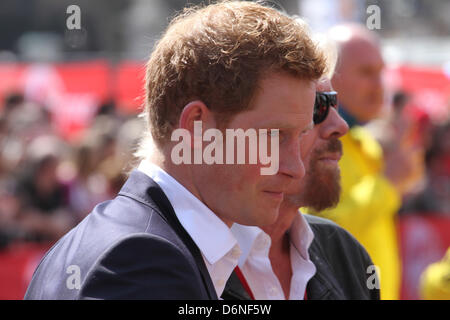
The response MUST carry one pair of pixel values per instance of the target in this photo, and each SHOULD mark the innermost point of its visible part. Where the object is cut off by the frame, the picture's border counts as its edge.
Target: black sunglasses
(324, 100)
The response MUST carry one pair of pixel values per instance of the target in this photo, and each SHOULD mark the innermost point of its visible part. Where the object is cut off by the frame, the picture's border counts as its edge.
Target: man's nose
(291, 163)
(334, 125)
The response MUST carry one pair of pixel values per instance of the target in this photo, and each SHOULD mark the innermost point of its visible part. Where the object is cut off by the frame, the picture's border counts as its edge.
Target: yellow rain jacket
(435, 280)
(368, 206)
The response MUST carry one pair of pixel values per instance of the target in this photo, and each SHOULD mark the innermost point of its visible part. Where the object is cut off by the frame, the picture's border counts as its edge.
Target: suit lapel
(154, 194)
(234, 290)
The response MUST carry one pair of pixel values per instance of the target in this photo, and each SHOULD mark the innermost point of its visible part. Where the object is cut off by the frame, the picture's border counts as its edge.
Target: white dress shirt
(212, 236)
(257, 269)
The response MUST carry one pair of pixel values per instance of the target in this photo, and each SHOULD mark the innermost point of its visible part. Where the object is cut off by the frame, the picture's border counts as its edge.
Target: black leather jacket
(343, 267)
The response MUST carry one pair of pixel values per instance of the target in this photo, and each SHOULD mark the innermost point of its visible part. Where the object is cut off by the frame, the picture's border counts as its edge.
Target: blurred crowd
(427, 141)
(48, 184)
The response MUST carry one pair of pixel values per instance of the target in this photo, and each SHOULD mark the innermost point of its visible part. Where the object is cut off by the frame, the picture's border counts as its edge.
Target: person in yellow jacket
(371, 180)
(435, 280)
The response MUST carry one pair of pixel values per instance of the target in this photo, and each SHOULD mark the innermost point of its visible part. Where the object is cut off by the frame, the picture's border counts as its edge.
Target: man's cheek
(307, 143)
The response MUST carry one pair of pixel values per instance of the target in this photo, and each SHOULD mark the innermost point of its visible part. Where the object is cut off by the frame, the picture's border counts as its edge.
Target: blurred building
(413, 30)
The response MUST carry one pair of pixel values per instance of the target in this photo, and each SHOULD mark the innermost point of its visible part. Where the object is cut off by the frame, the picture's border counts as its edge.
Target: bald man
(371, 182)
(358, 73)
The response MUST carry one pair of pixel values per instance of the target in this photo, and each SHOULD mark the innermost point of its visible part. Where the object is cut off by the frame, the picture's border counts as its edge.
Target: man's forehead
(287, 121)
(366, 54)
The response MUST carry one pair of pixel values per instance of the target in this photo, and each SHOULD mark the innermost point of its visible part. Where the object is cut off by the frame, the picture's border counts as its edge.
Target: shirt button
(273, 291)
(262, 244)
(235, 253)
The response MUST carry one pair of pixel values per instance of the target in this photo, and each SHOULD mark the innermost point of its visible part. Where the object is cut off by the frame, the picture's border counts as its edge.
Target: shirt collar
(247, 237)
(300, 233)
(211, 235)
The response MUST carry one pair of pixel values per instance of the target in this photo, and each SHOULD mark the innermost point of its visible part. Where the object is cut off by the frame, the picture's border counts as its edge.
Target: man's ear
(192, 112)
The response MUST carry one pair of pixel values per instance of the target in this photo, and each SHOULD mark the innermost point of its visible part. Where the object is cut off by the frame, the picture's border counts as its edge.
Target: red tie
(244, 282)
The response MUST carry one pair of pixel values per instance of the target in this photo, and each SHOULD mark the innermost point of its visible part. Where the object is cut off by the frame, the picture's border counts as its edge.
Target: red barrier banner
(428, 88)
(129, 86)
(17, 264)
(424, 239)
(71, 92)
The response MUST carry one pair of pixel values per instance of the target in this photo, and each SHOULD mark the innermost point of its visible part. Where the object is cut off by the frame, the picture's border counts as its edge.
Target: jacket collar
(323, 285)
(211, 235)
(234, 290)
(142, 188)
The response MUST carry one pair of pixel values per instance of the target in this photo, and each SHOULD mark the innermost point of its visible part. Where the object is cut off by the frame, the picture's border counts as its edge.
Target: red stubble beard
(321, 188)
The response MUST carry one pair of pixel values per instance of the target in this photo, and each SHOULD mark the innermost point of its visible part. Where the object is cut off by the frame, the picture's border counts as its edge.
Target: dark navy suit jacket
(131, 247)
